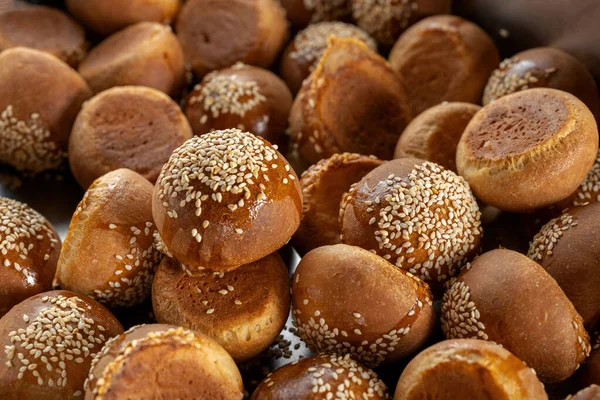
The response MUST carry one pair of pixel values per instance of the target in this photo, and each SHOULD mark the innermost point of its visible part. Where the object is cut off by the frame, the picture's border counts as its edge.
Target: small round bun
(415, 214)
(108, 252)
(159, 361)
(48, 342)
(528, 150)
(225, 199)
(444, 58)
(132, 127)
(29, 248)
(144, 54)
(40, 97)
(215, 34)
(304, 12)
(434, 134)
(243, 310)
(347, 300)
(534, 320)
(468, 369)
(46, 29)
(242, 97)
(324, 376)
(589, 393)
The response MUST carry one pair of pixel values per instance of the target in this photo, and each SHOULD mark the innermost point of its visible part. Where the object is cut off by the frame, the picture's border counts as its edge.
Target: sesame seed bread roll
(301, 13)
(352, 102)
(29, 250)
(589, 393)
(324, 376)
(108, 252)
(49, 341)
(45, 29)
(347, 300)
(415, 214)
(34, 130)
(216, 34)
(243, 310)
(225, 199)
(132, 127)
(144, 54)
(468, 369)
(243, 97)
(445, 58)
(528, 150)
(159, 361)
(533, 319)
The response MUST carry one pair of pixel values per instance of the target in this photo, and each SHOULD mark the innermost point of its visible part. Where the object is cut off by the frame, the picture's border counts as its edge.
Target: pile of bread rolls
(445, 205)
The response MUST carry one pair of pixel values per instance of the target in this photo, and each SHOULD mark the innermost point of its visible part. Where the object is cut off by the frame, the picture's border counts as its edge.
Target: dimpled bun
(108, 253)
(506, 298)
(468, 369)
(163, 362)
(347, 300)
(324, 376)
(415, 214)
(225, 199)
(304, 12)
(528, 150)
(34, 129)
(49, 341)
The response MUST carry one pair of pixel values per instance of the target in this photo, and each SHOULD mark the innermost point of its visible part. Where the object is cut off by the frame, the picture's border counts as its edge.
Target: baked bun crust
(301, 13)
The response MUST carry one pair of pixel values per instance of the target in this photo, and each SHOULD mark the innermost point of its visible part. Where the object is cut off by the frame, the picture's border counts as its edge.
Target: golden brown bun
(434, 134)
(323, 186)
(216, 34)
(108, 16)
(468, 369)
(444, 58)
(415, 214)
(352, 102)
(29, 248)
(225, 199)
(132, 127)
(528, 150)
(163, 362)
(304, 12)
(347, 300)
(505, 297)
(40, 97)
(48, 342)
(243, 310)
(46, 29)
(144, 54)
(590, 393)
(324, 376)
(244, 97)
(108, 253)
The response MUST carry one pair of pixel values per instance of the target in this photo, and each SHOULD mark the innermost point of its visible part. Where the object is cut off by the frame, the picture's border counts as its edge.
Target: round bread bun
(347, 300)
(144, 54)
(132, 127)
(589, 393)
(468, 369)
(323, 186)
(528, 150)
(445, 58)
(415, 214)
(324, 376)
(171, 362)
(434, 134)
(243, 310)
(215, 34)
(46, 29)
(108, 252)
(304, 12)
(352, 102)
(29, 250)
(35, 127)
(303, 54)
(385, 20)
(48, 342)
(225, 199)
(108, 16)
(534, 320)
(243, 97)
